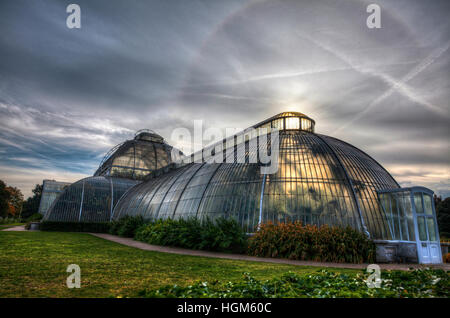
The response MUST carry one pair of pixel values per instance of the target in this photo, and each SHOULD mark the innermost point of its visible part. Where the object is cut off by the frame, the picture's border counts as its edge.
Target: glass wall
(51, 189)
(310, 185)
(398, 213)
(366, 177)
(89, 200)
(398, 210)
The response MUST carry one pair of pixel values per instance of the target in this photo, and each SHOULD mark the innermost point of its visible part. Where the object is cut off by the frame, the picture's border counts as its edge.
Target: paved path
(176, 250)
(16, 228)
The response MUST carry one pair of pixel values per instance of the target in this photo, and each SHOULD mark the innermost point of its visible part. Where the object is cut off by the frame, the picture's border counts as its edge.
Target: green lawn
(33, 264)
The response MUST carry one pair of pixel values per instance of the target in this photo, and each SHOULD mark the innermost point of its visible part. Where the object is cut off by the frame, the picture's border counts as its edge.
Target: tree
(15, 201)
(443, 218)
(31, 205)
(4, 199)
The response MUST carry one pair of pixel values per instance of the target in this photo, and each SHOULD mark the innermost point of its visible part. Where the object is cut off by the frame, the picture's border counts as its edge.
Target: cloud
(67, 96)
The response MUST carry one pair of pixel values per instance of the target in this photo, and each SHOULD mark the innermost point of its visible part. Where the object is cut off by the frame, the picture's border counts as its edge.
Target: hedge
(224, 235)
(325, 244)
(126, 226)
(94, 227)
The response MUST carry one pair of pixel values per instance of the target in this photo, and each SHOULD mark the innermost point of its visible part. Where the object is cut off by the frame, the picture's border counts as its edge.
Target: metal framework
(136, 158)
(320, 180)
(88, 200)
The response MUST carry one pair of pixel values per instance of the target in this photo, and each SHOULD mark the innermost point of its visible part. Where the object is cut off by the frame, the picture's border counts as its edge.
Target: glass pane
(422, 228)
(405, 236)
(418, 202)
(278, 123)
(431, 229)
(292, 123)
(427, 204)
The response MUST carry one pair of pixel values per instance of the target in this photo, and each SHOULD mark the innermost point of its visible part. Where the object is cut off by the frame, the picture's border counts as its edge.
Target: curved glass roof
(90, 199)
(320, 180)
(136, 158)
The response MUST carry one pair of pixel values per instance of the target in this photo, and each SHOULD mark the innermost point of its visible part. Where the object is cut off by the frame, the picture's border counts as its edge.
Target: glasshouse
(320, 180)
(92, 199)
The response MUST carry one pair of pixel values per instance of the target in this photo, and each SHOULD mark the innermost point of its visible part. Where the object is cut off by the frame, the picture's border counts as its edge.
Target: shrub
(126, 226)
(447, 258)
(298, 242)
(323, 283)
(223, 235)
(95, 227)
(34, 217)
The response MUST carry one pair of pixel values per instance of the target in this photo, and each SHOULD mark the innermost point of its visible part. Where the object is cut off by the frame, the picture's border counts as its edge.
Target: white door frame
(428, 244)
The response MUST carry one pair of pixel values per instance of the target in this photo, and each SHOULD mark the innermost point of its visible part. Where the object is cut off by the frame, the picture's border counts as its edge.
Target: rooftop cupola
(148, 135)
(288, 121)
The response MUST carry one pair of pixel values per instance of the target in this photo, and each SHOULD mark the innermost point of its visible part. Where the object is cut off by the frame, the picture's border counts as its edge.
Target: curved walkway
(15, 228)
(241, 257)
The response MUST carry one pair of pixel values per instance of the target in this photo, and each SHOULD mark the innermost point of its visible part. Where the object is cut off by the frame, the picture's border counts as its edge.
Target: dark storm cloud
(67, 96)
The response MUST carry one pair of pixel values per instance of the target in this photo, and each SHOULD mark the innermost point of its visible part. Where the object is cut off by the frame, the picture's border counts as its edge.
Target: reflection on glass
(292, 123)
(278, 124)
(89, 200)
(422, 228)
(431, 229)
(418, 203)
(427, 204)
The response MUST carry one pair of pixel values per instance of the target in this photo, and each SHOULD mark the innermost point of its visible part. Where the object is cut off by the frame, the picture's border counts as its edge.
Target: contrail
(400, 86)
(396, 85)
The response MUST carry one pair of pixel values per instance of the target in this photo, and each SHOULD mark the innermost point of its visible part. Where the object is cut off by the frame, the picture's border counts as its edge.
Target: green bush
(34, 217)
(224, 235)
(321, 284)
(126, 226)
(56, 226)
(325, 244)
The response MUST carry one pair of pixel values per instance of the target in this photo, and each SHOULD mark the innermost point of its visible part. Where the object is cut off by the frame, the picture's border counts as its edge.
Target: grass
(33, 264)
(7, 226)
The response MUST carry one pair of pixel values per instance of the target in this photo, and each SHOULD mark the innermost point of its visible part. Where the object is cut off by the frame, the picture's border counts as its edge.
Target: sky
(69, 95)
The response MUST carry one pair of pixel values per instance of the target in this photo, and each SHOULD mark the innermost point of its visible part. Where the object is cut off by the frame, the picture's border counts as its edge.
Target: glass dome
(320, 180)
(136, 158)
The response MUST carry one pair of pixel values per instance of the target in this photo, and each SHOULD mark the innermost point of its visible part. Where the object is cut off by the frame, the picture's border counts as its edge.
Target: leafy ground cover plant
(322, 284)
(309, 242)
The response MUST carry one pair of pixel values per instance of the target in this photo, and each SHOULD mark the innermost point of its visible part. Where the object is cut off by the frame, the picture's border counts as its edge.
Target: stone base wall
(396, 252)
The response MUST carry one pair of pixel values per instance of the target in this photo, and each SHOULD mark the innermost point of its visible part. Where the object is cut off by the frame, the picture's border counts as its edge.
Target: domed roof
(320, 180)
(91, 199)
(136, 158)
